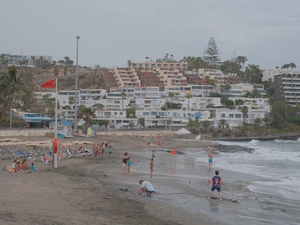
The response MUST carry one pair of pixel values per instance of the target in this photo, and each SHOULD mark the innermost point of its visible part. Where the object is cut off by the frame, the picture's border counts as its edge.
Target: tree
(141, 121)
(12, 85)
(98, 106)
(87, 114)
(61, 62)
(242, 60)
(222, 123)
(67, 59)
(211, 53)
(188, 96)
(255, 94)
(193, 126)
(239, 102)
(244, 110)
(205, 124)
(207, 78)
(123, 95)
(253, 73)
(293, 66)
(194, 63)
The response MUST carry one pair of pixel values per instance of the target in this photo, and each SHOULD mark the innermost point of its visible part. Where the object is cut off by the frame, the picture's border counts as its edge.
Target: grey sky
(112, 31)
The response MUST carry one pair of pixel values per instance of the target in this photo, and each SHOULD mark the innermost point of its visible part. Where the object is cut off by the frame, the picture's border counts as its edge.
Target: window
(238, 115)
(230, 115)
(223, 115)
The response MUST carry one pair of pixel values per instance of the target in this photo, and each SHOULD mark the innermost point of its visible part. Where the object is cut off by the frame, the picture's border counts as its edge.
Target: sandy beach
(81, 191)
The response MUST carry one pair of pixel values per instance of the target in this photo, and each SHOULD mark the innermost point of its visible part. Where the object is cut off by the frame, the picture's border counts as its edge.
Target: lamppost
(76, 86)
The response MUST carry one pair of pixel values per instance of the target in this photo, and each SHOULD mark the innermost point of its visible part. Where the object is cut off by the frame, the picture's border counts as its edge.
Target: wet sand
(81, 191)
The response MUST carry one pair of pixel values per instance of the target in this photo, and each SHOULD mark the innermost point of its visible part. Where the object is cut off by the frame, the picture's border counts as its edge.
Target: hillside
(87, 77)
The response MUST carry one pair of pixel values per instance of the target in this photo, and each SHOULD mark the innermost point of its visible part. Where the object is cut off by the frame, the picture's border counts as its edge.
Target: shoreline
(83, 192)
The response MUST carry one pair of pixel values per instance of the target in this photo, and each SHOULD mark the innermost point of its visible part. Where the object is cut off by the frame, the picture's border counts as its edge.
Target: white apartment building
(126, 77)
(29, 59)
(215, 74)
(161, 65)
(193, 90)
(141, 92)
(241, 89)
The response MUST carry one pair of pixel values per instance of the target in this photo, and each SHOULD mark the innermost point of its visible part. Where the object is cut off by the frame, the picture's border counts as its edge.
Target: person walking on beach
(151, 167)
(210, 159)
(124, 160)
(147, 187)
(216, 182)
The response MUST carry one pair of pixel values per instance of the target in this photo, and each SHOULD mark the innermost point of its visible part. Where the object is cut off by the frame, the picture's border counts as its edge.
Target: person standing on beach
(153, 154)
(128, 164)
(216, 182)
(147, 187)
(124, 160)
(151, 167)
(210, 159)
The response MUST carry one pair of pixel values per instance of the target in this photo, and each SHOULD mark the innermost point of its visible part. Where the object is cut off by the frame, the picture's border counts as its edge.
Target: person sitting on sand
(25, 166)
(46, 158)
(147, 187)
(32, 168)
(216, 182)
(18, 166)
(210, 159)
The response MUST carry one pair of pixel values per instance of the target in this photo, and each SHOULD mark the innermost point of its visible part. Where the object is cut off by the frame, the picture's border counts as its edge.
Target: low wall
(24, 132)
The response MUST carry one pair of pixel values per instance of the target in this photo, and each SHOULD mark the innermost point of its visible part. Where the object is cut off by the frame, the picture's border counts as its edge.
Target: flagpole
(55, 127)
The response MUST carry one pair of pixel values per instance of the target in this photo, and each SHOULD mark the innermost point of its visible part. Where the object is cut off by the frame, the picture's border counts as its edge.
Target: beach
(81, 191)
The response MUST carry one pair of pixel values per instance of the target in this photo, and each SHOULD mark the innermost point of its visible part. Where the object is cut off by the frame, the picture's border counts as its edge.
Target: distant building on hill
(26, 60)
(287, 87)
(161, 65)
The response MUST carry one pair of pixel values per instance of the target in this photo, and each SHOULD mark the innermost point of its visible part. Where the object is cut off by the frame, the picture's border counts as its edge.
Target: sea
(278, 160)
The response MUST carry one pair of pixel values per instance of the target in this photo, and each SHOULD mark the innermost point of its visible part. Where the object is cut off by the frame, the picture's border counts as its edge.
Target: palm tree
(87, 114)
(12, 84)
(242, 60)
(222, 123)
(67, 58)
(244, 110)
(61, 62)
(123, 94)
(188, 97)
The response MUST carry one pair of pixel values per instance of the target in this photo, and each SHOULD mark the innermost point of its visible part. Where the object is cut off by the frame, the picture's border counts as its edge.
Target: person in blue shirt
(216, 182)
(129, 161)
(32, 168)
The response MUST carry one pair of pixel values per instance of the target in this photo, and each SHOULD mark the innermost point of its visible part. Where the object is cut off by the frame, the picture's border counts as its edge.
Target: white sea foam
(275, 159)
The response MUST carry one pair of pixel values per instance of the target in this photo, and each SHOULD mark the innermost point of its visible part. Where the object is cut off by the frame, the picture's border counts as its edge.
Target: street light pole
(76, 87)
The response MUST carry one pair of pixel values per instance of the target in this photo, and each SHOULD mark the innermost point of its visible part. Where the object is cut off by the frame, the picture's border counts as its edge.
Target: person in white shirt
(147, 187)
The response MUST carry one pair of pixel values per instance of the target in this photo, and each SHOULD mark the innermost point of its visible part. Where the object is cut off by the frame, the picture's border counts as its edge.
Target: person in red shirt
(216, 182)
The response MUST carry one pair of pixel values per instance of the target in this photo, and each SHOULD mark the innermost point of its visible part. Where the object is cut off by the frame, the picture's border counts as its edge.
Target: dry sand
(82, 191)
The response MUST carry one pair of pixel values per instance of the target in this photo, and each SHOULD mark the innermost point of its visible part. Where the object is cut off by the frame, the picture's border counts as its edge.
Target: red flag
(174, 152)
(48, 84)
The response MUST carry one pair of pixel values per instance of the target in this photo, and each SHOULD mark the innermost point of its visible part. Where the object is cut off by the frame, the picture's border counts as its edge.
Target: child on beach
(110, 149)
(210, 159)
(32, 168)
(153, 154)
(216, 182)
(128, 164)
(151, 167)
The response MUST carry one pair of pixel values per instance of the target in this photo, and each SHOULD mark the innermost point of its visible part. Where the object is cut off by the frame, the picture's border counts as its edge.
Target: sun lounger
(19, 154)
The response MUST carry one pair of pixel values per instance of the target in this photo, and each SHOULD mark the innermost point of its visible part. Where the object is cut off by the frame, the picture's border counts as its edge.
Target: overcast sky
(113, 31)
